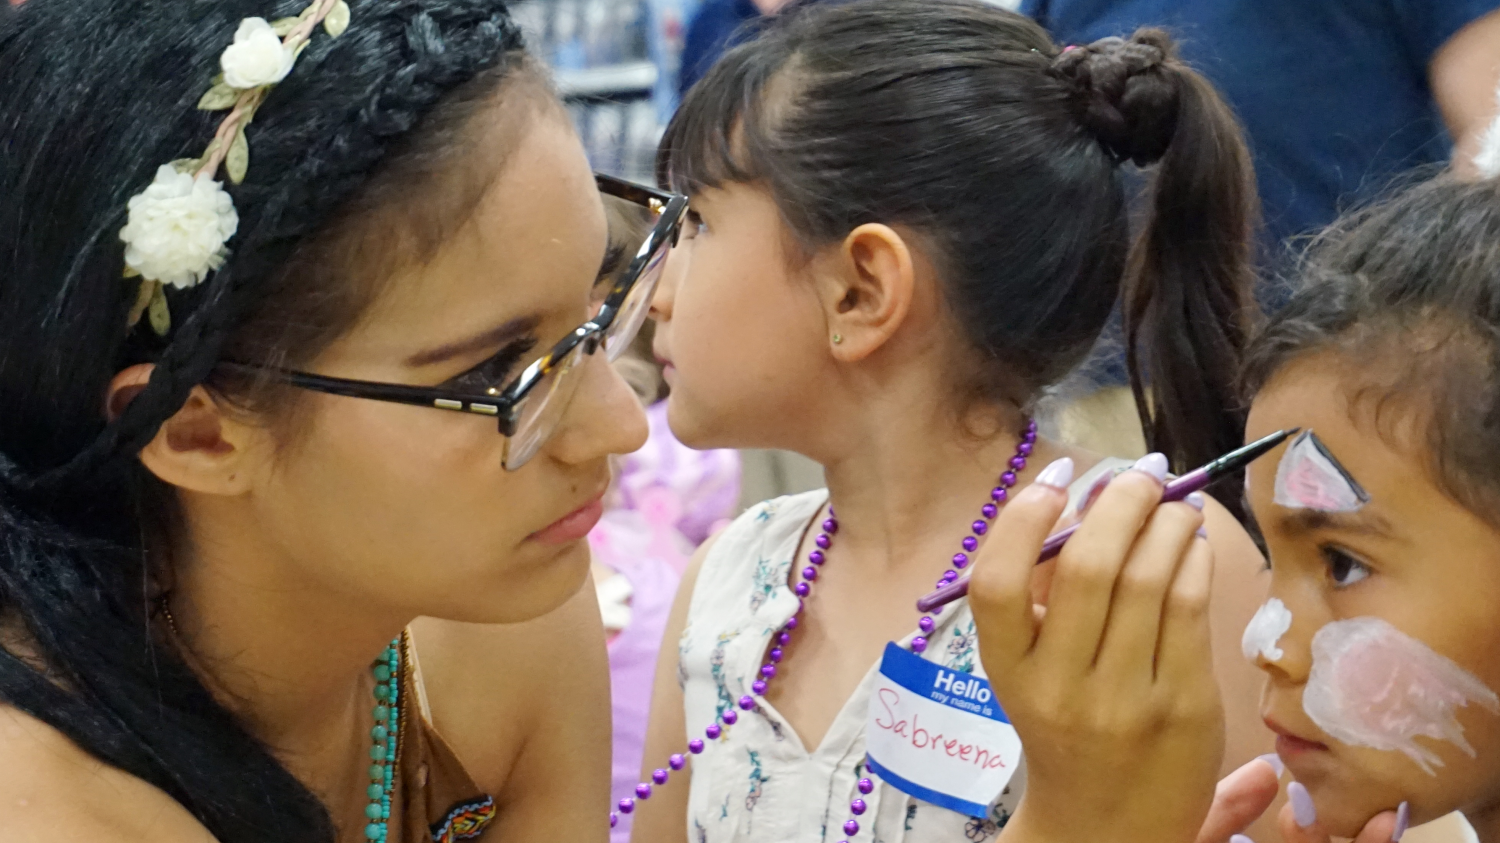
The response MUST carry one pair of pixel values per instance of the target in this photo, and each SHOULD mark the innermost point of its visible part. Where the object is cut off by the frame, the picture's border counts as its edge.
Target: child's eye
(1343, 569)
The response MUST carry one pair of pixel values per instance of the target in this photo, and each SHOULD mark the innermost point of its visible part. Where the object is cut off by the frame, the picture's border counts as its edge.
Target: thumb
(1240, 798)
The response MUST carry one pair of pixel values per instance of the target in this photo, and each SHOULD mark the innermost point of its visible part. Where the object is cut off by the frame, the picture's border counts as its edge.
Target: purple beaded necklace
(925, 625)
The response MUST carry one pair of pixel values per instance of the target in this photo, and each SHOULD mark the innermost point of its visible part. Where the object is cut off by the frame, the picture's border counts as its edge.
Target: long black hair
(966, 123)
(1405, 295)
(363, 156)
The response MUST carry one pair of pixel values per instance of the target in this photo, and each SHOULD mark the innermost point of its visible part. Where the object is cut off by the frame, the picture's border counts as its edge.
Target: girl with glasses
(272, 389)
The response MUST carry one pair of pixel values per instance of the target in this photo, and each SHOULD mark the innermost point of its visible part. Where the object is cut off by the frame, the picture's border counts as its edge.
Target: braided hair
(965, 123)
(364, 149)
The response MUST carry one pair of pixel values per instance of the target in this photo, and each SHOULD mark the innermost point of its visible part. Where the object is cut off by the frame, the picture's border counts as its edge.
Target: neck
(286, 653)
(904, 485)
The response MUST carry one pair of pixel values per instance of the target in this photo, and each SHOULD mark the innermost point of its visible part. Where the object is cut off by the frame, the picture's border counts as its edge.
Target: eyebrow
(496, 336)
(1365, 523)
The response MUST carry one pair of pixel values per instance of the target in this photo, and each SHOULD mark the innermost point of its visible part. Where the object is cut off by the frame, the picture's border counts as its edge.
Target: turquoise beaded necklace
(385, 737)
(387, 670)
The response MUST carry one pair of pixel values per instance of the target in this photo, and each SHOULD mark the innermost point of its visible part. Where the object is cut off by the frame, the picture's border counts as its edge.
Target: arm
(527, 708)
(663, 819)
(1463, 75)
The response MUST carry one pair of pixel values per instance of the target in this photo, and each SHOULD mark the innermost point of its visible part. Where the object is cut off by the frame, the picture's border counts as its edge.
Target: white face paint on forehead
(1271, 622)
(1310, 478)
(1372, 685)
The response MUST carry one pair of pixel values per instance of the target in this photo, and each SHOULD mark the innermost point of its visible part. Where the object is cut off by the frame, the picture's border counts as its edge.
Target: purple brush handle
(1193, 481)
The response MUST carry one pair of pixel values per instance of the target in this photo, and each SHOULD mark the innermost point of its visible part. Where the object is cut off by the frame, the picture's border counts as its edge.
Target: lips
(573, 526)
(1290, 745)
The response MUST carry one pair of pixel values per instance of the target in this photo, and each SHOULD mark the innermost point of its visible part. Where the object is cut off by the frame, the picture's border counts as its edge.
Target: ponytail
(1187, 296)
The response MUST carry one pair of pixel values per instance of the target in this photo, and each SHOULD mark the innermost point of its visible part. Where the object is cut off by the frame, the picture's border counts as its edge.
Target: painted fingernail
(1403, 819)
(1240, 838)
(1152, 464)
(1057, 475)
(1303, 810)
(1275, 761)
(1196, 501)
(1202, 532)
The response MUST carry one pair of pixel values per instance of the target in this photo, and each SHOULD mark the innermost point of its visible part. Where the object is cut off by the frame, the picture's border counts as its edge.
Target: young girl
(1381, 642)
(230, 477)
(909, 222)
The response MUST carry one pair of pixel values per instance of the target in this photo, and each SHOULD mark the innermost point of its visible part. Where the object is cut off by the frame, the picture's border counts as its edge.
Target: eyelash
(493, 372)
(1336, 558)
(695, 225)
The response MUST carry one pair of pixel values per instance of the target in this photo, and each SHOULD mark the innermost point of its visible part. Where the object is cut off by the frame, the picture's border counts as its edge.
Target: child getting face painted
(1381, 638)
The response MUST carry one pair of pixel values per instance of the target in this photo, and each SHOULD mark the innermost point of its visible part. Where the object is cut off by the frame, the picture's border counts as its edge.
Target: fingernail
(1152, 464)
(1057, 475)
(1403, 819)
(1202, 532)
(1275, 761)
(1196, 501)
(1240, 838)
(1303, 810)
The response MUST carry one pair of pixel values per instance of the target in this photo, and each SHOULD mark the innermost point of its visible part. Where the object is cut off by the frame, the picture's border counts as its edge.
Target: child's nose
(1292, 661)
(666, 289)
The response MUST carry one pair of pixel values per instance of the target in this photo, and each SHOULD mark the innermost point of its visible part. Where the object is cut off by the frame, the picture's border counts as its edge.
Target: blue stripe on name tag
(942, 800)
(955, 689)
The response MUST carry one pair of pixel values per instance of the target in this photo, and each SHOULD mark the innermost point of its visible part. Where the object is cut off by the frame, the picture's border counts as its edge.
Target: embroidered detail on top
(464, 821)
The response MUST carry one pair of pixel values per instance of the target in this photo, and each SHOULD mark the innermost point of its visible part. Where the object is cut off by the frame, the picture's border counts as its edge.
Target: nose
(672, 272)
(1308, 616)
(604, 417)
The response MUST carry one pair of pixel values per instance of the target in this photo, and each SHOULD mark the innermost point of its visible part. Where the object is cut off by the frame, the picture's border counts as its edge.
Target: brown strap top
(437, 800)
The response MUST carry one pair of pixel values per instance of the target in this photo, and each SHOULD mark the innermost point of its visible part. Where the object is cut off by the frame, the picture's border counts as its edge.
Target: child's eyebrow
(1367, 523)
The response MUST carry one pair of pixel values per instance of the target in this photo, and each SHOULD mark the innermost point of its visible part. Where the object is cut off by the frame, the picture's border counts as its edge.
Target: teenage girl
(1388, 354)
(228, 481)
(908, 221)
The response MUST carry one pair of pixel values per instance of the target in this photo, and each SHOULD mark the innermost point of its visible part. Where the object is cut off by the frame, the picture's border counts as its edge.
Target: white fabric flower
(256, 57)
(178, 227)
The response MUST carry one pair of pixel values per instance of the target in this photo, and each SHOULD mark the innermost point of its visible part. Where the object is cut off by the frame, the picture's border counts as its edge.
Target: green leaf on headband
(187, 165)
(218, 98)
(131, 272)
(338, 19)
(161, 318)
(238, 159)
(143, 298)
(283, 26)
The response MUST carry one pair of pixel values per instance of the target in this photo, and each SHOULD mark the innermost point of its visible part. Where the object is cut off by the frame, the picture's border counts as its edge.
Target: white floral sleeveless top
(758, 783)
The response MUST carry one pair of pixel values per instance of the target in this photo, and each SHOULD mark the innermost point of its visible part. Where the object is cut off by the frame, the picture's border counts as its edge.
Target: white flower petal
(177, 228)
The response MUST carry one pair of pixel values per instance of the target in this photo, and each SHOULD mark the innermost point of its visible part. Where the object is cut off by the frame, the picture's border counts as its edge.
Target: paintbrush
(1194, 481)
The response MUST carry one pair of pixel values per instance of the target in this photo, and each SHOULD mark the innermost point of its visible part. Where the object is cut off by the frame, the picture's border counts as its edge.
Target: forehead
(533, 245)
(1380, 446)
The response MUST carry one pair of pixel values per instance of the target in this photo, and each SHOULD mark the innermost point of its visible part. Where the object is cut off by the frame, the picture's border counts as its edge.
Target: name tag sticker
(938, 734)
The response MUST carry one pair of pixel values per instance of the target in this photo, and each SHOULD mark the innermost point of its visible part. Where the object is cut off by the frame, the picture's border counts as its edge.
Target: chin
(1347, 796)
(525, 593)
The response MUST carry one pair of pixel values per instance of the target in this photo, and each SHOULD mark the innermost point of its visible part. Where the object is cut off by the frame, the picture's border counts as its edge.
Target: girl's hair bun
(1127, 92)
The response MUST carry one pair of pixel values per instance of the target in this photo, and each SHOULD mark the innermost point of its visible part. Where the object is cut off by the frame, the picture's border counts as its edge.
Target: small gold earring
(838, 338)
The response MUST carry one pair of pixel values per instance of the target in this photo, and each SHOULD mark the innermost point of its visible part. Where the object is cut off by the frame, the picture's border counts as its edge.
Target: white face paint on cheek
(1271, 622)
(1372, 685)
(1308, 477)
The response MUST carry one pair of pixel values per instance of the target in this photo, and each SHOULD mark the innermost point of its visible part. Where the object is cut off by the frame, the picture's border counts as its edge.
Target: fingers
(1135, 616)
(1240, 798)
(1384, 827)
(1084, 581)
(1000, 587)
(1184, 650)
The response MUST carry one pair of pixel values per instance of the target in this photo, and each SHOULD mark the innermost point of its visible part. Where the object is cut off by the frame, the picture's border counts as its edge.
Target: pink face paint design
(1372, 685)
(1271, 622)
(1310, 478)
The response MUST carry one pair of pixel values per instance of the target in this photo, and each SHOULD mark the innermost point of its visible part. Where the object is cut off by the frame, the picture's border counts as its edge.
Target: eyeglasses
(529, 407)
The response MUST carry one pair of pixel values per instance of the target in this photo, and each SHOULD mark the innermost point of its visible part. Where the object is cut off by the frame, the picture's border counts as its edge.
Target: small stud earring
(838, 338)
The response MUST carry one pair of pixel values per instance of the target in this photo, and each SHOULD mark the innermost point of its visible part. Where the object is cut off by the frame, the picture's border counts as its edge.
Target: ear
(201, 448)
(868, 292)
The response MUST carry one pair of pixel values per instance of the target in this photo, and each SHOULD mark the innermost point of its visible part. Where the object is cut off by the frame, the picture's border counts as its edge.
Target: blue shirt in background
(718, 26)
(1333, 94)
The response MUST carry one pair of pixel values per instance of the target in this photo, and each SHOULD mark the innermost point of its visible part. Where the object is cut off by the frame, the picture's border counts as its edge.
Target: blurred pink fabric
(667, 499)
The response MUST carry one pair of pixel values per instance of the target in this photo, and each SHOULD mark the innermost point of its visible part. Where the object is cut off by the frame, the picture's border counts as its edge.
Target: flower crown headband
(178, 226)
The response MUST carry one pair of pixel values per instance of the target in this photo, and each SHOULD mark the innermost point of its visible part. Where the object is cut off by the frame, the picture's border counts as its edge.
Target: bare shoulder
(50, 790)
